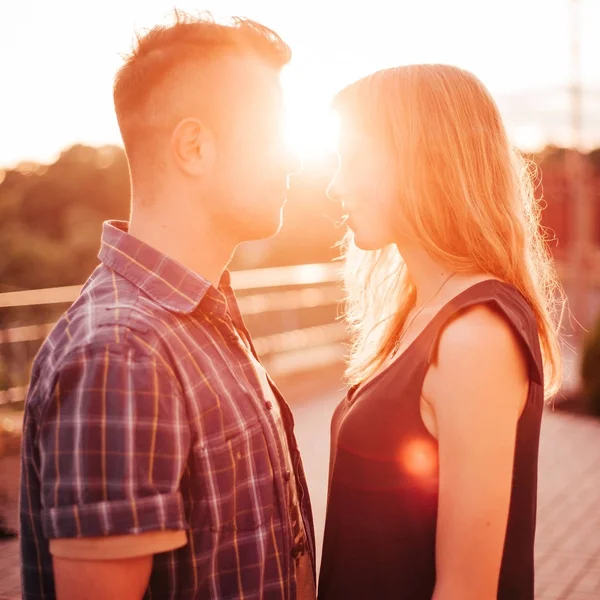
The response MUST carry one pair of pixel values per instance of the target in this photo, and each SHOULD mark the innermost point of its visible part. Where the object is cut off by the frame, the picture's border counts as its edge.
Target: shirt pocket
(240, 486)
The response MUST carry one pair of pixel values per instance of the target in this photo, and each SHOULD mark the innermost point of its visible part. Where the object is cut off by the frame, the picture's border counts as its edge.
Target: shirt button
(268, 405)
(297, 550)
(287, 475)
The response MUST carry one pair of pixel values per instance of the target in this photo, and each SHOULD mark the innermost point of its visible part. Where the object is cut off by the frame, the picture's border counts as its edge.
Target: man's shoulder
(107, 301)
(110, 312)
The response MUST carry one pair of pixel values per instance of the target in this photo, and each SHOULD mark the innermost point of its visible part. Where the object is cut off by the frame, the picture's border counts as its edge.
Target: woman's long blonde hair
(465, 192)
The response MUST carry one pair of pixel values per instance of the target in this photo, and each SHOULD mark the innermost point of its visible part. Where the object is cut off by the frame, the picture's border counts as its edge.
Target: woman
(451, 300)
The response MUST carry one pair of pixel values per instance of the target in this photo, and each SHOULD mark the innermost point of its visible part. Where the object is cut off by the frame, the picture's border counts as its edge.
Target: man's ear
(194, 147)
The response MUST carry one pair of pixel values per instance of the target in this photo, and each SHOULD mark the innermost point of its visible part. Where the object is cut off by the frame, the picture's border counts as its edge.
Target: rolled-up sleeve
(113, 442)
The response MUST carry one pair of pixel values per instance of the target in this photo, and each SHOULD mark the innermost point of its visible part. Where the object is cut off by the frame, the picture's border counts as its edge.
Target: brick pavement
(568, 534)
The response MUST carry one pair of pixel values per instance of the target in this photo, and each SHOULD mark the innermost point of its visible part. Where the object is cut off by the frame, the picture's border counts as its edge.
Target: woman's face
(365, 185)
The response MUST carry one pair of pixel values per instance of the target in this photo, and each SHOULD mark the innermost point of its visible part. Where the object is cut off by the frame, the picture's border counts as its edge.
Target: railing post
(6, 352)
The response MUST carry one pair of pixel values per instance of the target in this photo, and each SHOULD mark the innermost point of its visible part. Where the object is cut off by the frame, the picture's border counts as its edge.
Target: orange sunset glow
(288, 368)
(69, 98)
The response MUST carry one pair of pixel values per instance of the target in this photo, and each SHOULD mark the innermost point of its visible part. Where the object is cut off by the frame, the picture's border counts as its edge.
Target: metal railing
(296, 345)
(271, 294)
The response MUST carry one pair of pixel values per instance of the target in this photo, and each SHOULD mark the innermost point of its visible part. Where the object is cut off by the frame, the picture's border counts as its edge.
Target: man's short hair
(164, 56)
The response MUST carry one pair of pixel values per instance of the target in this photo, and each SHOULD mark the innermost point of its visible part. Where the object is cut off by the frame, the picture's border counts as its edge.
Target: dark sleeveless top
(383, 489)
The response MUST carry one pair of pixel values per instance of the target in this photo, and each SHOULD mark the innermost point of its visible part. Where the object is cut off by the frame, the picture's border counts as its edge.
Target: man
(159, 460)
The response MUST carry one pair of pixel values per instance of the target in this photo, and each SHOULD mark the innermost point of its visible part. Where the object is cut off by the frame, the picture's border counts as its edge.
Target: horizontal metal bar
(57, 295)
(301, 299)
(304, 360)
(310, 274)
(27, 333)
(309, 339)
(15, 394)
(249, 305)
(241, 280)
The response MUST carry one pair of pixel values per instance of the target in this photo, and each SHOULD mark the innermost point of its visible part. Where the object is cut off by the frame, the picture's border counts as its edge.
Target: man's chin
(265, 227)
(275, 226)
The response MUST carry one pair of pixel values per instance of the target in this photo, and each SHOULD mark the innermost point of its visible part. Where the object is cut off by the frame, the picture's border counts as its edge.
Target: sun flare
(311, 132)
(311, 126)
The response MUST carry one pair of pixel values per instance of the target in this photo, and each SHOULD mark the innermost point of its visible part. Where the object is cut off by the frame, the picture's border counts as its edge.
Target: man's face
(252, 162)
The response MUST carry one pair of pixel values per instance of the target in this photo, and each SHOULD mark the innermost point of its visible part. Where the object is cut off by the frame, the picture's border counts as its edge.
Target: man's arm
(121, 579)
(113, 444)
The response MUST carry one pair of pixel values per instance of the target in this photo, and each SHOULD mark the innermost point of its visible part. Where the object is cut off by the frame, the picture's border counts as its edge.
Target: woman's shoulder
(489, 320)
(478, 327)
(479, 358)
(500, 297)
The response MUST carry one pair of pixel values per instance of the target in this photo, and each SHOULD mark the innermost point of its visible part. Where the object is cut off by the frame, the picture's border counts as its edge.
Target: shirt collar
(169, 283)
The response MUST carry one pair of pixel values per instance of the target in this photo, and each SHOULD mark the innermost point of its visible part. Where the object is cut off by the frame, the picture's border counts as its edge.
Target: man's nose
(293, 163)
(333, 191)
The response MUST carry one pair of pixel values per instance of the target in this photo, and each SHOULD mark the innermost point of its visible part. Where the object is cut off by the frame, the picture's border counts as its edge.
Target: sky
(58, 59)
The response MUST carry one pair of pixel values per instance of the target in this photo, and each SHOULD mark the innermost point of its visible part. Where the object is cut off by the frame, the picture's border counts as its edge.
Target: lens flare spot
(418, 458)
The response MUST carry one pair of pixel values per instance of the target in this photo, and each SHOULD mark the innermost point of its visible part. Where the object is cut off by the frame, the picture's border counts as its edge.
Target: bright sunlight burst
(311, 134)
(311, 126)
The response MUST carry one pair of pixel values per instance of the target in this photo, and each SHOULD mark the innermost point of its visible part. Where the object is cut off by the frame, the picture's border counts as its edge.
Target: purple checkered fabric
(144, 413)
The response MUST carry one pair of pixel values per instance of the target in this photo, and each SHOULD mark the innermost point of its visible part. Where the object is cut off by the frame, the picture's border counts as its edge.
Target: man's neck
(196, 245)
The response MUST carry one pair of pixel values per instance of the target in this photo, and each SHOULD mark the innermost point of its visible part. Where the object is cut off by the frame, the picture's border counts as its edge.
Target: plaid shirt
(144, 413)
